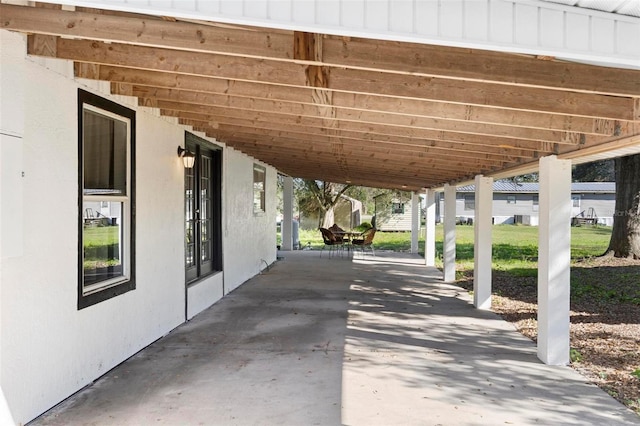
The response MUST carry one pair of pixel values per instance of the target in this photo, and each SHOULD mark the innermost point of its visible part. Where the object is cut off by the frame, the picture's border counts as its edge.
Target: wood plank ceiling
(362, 111)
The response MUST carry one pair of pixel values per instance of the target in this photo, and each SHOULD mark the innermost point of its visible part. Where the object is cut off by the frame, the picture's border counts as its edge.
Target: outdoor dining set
(338, 240)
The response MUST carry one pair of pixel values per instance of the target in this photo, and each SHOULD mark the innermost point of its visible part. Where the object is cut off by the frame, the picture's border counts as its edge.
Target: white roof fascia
(517, 26)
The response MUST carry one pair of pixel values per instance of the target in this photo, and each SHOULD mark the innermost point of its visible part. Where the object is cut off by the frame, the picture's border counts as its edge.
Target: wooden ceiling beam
(356, 177)
(345, 80)
(416, 119)
(352, 171)
(409, 107)
(452, 150)
(338, 151)
(150, 31)
(381, 132)
(363, 138)
(410, 123)
(479, 65)
(301, 134)
(396, 57)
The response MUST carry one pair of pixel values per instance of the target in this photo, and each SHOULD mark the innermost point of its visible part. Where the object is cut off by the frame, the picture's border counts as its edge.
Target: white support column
(449, 243)
(482, 243)
(287, 214)
(430, 229)
(554, 256)
(415, 221)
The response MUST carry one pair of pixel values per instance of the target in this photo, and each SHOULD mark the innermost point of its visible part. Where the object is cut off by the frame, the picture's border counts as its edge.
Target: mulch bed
(605, 320)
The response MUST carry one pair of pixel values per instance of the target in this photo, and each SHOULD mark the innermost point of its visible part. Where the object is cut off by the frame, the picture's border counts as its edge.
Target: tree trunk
(329, 218)
(625, 237)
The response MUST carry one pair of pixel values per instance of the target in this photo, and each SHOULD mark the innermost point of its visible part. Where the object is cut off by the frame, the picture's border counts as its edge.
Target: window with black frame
(106, 195)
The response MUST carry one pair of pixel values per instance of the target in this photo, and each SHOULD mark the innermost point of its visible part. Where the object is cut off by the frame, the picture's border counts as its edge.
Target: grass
(101, 246)
(515, 248)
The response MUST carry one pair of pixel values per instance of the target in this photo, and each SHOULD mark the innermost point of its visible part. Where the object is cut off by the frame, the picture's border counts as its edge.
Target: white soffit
(623, 7)
(536, 27)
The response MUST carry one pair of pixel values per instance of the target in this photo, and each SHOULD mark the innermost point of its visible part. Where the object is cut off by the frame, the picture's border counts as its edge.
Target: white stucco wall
(245, 257)
(49, 349)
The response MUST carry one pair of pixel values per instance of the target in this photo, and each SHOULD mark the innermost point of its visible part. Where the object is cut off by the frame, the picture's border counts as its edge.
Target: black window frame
(128, 283)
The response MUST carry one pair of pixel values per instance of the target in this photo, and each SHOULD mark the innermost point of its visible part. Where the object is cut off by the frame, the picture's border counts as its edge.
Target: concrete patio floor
(318, 341)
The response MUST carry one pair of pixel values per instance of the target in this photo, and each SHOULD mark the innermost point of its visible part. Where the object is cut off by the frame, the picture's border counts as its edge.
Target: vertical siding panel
(168, 4)
(304, 12)
(231, 8)
(135, 3)
(451, 19)
(526, 25)
(401, 16)
(426, 20)
(626, 31)
(551, 28)
(191, 5)
(603, 35)
(280, 10)
(328, 12)
(476, 20)
(577, 32)
(376, 16)
(501, 22)
(352, 12)
(255, 9)
(212, 6)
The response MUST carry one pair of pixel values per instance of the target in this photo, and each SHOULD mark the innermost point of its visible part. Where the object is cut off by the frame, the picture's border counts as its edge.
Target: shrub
(364, 226)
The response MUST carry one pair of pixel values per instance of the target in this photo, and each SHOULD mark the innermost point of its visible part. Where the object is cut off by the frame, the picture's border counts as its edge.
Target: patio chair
(335, 228)
(365, 241)
(330, 240)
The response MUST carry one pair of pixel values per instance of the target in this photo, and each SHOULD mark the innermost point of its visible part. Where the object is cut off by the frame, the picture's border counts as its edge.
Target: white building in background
(519, 202)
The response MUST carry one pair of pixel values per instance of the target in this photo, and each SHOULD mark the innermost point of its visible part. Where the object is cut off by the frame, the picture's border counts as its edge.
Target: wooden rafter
(377, 113)
(397, 57)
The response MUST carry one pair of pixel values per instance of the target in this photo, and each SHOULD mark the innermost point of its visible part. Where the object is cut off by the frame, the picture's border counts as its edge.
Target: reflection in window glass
(259, 179)
(105, 197)
(397, 208)
(102, 242)
(203, 232)
(575, 200)
(469, 202)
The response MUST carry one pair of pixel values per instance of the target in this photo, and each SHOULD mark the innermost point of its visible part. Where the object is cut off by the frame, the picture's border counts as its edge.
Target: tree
(625, 236)
(321, 197)
(596, 171)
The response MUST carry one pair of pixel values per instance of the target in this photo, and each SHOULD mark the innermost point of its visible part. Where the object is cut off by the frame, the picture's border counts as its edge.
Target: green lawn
(515, 248)
(101, 246)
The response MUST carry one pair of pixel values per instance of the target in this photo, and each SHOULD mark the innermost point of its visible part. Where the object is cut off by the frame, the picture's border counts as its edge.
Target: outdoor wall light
(188, 158)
